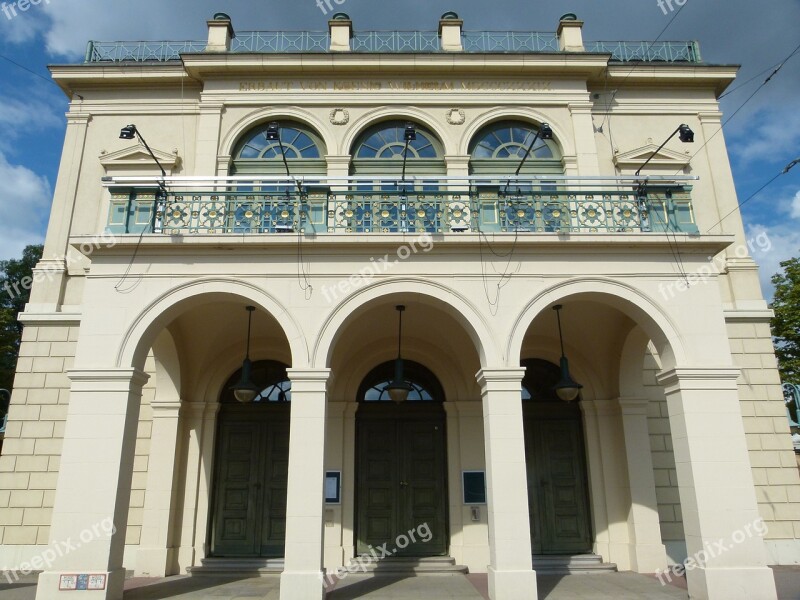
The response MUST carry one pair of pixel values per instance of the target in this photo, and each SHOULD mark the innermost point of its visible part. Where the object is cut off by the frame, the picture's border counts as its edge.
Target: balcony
(319, 206)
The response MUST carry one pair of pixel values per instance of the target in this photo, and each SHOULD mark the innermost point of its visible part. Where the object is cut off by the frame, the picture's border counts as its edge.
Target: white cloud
(795, 207)
(784, 243)
(24, 208)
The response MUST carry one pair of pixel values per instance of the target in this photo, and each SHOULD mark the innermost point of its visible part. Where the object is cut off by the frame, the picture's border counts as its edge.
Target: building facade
(477, 180)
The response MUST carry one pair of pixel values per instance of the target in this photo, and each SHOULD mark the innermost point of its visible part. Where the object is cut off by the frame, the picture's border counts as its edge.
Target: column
(720, 515)
(51, 270)
(648, 554)
(511, 574)
(302, 577)
(154, 557)
(90, 515)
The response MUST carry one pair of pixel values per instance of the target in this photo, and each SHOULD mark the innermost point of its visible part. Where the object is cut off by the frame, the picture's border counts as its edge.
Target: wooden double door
(252, 466)
(401, 479)
(557, 480)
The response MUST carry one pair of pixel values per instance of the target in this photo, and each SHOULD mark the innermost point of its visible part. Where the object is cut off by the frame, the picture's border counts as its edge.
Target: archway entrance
(251, 468)
(554, 453)
(401, 478)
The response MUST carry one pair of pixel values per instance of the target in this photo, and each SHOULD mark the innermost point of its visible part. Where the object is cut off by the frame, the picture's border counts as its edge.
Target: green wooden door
(249, 518)
(558, 502)
(401, 482)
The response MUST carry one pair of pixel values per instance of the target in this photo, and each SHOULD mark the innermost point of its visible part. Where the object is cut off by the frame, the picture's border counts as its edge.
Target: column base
(736, 583)
(648, 558)
(512, 585)
(305, 585)
(154, 562)
(47, 588)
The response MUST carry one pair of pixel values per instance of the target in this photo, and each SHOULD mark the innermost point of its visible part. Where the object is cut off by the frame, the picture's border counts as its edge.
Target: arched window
(385, 142)
(499, 148)
(540, 377)
(270, 376)
(255, 154)
(425, 385)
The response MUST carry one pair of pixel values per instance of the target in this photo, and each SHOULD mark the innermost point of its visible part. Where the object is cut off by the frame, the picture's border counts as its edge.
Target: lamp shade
(567, 388)
(246, 391)
(399, 388)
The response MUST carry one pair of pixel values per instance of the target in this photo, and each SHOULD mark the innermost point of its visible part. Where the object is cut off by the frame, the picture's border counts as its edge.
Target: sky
(763, 132)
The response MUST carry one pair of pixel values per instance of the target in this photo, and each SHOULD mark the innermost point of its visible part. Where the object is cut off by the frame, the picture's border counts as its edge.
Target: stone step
(238, 567)
(433, 565)
(575, 564)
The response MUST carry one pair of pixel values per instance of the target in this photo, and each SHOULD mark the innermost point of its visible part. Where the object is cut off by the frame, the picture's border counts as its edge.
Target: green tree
(786, 323)
(15, 283)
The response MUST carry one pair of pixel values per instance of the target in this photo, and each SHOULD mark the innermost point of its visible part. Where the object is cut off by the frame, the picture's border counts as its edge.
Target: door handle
(403, 484)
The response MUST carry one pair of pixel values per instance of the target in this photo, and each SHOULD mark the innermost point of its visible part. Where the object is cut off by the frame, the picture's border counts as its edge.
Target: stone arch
(426, 293)
(141, 333)
(374, 117)
(528, 115)
(630, 301)
(262, 115)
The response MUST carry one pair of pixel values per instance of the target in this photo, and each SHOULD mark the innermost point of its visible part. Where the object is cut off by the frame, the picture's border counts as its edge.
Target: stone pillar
(90, 515)
(50, 272)
(450, 27)
(302, 577)
(570, 34)
(511, 574)
(720, 515)
(220, 33)
(585, 143)
(341, 30)
(648, 554)
(155, 555)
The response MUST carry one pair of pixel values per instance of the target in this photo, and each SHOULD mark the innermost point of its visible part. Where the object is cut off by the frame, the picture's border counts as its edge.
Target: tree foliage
(786, 324)
(15, 279)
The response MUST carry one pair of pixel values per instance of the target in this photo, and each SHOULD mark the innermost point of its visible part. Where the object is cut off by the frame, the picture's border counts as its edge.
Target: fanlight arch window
(304, 149)
(500, 147)
(425, 385)
(379, 151)
(540, 377)
(270, 376)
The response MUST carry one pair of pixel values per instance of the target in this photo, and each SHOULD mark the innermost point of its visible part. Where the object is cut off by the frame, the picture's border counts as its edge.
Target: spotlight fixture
(246, 391)
(130, 132)
(409, 135)
(399, 388)
(567, 388)
(273, 132)
(686, 136)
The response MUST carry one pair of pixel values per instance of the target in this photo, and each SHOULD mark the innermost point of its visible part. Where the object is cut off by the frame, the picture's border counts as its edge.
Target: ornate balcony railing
(490, 42)
(395, 41)
(389, 206)
(670, 52)
(509, 41)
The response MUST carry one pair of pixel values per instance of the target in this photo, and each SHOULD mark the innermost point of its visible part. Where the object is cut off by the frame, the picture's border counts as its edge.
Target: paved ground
(619, 586)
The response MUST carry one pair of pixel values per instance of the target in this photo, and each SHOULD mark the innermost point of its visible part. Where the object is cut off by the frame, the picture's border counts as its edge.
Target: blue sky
(762, 138)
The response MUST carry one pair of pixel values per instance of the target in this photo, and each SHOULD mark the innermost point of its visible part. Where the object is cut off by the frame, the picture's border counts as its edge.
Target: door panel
(402, 484)
(250, 488)
(237, 505)
(558, 502)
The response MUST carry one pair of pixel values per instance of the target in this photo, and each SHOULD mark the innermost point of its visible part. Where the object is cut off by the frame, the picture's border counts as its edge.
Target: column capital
(499, 379)
(703, 378)
(309, 380)
(111, 379)
(166, 410)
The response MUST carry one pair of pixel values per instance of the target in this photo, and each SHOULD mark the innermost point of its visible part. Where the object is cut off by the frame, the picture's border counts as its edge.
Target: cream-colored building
(123, 410)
